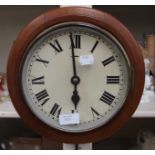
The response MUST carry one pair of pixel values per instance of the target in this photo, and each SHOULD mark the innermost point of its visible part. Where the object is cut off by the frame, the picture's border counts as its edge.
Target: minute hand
(75, 80)
(73, 55)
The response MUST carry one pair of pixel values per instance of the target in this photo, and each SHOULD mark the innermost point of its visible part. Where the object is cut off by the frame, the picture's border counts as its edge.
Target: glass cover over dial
(75, 68)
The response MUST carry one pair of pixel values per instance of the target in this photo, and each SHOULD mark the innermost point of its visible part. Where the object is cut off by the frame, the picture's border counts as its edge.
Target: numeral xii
(76, 41)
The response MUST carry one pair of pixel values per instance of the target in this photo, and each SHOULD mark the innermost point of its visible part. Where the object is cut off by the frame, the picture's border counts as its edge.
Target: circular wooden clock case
(46, 79)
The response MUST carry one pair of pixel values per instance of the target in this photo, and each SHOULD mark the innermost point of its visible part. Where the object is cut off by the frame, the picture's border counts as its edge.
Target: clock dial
(99, 88)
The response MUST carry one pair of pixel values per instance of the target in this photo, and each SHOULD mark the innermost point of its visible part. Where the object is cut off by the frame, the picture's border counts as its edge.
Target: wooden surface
(103, 20)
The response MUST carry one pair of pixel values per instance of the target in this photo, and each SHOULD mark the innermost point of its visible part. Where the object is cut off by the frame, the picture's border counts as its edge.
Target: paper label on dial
(86, 59)
(69, 119)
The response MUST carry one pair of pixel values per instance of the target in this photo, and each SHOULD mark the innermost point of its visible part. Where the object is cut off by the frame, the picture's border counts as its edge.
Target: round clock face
(75, 68)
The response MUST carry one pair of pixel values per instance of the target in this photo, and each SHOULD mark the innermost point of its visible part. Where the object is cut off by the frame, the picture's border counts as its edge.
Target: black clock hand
(73, 55)
(75, 80)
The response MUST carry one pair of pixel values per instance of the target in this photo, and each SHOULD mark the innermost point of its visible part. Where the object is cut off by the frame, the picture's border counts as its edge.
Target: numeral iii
(113, 79)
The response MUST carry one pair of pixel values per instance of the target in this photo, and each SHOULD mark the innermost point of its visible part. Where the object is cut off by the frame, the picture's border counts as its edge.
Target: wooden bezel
(81, 14)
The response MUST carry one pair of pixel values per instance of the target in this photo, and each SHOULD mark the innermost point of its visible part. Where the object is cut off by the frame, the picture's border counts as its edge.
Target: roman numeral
(107, 98)
(56, 46)
(113, 79)
(94, 112)
(76, 41)
(56, 110)
(94, 47)
(45, 62)
(108, 61)
(42, 97)
(39, 80)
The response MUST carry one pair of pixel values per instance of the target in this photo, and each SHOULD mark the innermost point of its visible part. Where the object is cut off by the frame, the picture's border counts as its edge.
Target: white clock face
(51, 63)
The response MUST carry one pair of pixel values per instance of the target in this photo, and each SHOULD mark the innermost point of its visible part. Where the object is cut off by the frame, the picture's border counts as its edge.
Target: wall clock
(75, 75)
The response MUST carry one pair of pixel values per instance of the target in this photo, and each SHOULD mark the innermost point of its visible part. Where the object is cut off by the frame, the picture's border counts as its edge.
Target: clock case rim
(77, 14)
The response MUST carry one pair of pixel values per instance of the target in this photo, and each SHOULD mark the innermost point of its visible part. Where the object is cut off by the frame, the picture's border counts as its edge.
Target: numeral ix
(39, 80)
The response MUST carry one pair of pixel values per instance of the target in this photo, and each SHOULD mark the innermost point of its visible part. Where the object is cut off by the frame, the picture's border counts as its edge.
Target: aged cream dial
(48, 68)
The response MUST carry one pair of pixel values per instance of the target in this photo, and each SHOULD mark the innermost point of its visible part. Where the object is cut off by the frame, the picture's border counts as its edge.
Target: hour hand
(75, 98)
